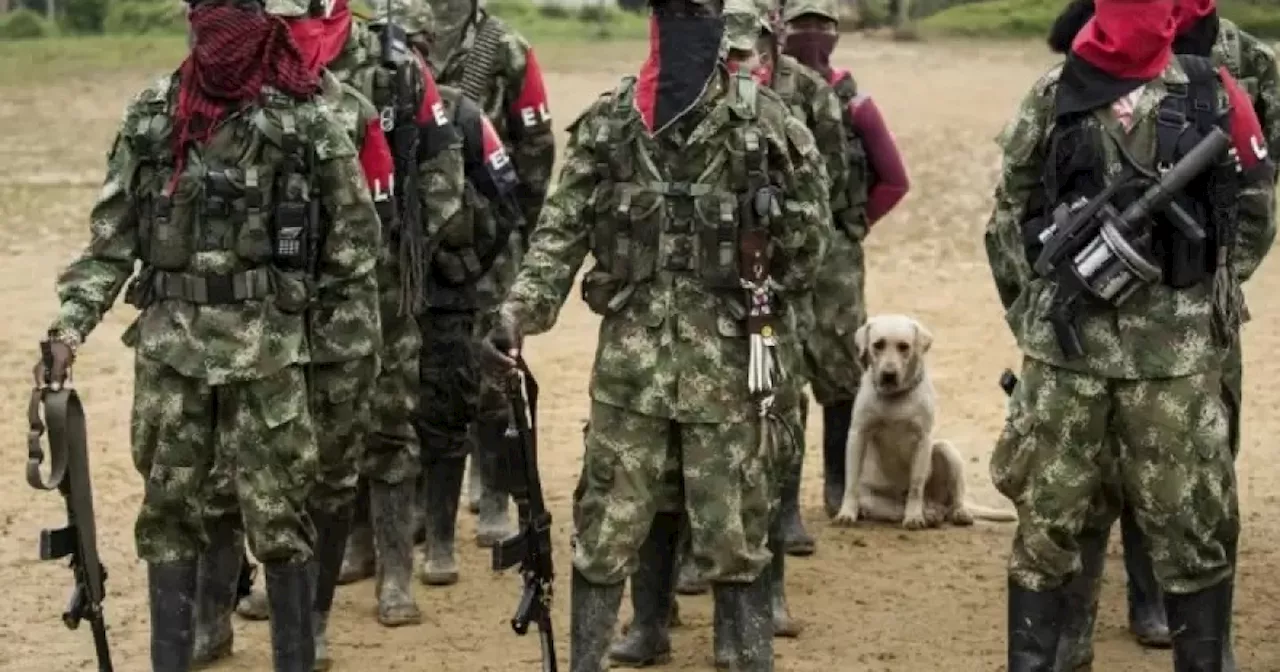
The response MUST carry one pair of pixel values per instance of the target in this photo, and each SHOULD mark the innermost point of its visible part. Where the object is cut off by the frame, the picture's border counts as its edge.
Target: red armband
(530, 106)
(376, 162)
(890, 183)
(431, 110)
(1246, 131)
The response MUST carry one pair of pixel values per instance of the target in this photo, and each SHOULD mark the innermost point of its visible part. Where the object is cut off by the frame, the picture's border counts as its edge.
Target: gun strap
(531, 398)
(64, 420)
(477, 72)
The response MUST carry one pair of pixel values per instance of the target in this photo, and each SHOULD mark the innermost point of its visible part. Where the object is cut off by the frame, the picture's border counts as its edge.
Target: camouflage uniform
(393, 458)
(222, 338)
(670, 375)
(513, 96)
(1134, 410)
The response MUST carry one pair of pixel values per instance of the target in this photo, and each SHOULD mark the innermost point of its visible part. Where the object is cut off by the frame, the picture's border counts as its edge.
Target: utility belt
(153, 284)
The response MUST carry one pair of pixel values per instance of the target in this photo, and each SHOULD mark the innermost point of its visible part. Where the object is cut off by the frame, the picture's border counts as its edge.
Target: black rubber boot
(1228, 648)
(172, 592)
(475, 485)
(216, 585)
(438, 566)
(494, 521)
(1080, 604)
(1199, 623)
(289, 592)
(689, 580)
(1035, 622)
(358, 561)
(742, 627)
(391, 511)
(648, 639)
(776, 575)
(835, 437)
(796, 539)
(593, 613)
(332, 530)
(1147, 619)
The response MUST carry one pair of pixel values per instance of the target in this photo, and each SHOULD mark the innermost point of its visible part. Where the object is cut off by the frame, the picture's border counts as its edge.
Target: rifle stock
(69, 474)
(530, 547)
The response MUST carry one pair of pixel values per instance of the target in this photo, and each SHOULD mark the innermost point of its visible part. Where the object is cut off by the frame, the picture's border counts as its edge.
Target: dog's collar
(906, 389)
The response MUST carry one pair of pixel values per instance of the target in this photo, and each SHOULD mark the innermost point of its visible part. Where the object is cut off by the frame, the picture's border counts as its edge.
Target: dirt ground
(874, 598)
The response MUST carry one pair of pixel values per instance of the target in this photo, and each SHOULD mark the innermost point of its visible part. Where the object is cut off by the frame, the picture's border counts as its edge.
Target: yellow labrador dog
(895, 471)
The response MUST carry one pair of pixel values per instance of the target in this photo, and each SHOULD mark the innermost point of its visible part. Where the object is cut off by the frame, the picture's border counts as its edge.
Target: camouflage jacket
(660, 216)
(1159, 332)
(445, 223)
(516, 104)
(218, 301)
(1253, 64)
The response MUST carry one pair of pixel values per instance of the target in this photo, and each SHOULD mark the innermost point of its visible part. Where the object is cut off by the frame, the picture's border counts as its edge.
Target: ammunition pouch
(154, 285)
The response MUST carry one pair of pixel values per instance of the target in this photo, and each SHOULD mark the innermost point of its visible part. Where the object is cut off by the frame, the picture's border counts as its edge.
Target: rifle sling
(64, 421)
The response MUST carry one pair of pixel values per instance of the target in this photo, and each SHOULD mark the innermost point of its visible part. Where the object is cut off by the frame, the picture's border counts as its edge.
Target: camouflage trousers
(391, 452)
(449, 384)
(626, 473)
(491, 402)
(1162, 443)
(839, 309)
(259, 432)
(1233, 391)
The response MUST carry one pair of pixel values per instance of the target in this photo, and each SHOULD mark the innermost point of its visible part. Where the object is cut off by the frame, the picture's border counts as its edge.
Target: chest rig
(852, 219)
(646, 226)
(1185, 116)
(225, 231)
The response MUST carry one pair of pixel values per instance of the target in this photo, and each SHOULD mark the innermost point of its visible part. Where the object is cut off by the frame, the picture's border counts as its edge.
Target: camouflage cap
(742, 24)
(288, 9)
(414, 16)
(827, 9)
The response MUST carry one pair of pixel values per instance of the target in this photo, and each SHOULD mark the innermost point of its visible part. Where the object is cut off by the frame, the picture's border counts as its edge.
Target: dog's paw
(846, 516)
(915, 521)
(961, 517)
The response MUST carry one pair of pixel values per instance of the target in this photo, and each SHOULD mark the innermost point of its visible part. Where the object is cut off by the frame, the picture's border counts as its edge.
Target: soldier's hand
(501, 346)
(51, 372)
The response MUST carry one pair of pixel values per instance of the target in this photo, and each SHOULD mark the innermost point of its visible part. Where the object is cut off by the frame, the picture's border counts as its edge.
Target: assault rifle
(530, 547)
(69, 473)
(1096, 253)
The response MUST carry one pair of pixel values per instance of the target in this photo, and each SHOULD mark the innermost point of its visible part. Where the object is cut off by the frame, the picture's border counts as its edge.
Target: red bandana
(1128, 39)
(320, 39)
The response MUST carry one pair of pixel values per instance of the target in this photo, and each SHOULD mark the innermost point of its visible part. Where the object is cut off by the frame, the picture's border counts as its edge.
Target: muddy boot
(1080, 608)
(358, 561)
(1147, 618)
(743, 625)
(1035, 622)
(437, 566)
(593, 611)
(689, 580)
(172, 592)
(648, 640)
(776, 575)
(796, 540)
(332, 530)
(835, 436)
(420, 508)
(1199, 623)
(1229, 649)
(475, 485)
(219, 574)
(391, 512)
(289, 592)
(494, 523)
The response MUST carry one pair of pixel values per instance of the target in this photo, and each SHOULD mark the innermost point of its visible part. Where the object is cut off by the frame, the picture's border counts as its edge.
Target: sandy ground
(874, 598)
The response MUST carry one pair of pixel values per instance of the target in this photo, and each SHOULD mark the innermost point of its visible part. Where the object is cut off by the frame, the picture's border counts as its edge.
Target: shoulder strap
(612, 152)
(477, 71)
(1194, 104)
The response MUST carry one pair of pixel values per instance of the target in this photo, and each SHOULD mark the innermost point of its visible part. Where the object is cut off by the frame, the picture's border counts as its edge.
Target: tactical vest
(698, 223)
(853, 219)
(263, 208)
(1076, 168)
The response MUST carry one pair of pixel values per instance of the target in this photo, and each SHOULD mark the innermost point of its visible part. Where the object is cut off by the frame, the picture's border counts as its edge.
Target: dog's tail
(994, 515)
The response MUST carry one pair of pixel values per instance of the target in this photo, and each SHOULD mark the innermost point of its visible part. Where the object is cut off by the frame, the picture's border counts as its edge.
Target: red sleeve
(431, 110)
(1246, 130)
(375, 160)
(890, 174)
(530, 107)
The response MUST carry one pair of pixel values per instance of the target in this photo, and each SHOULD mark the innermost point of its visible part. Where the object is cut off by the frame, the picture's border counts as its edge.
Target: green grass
(1032, 18)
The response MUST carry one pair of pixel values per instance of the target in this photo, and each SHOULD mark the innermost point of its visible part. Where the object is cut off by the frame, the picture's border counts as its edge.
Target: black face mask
(812, 49)
(1199, 40)
(684, 55)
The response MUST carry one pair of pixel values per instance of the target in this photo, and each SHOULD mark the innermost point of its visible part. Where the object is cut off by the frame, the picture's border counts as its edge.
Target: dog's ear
(860, 339)
(924, 339)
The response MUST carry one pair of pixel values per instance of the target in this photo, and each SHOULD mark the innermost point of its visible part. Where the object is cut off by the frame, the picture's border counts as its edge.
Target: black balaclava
(684, 53)
(1198, 40)
(1069, 22)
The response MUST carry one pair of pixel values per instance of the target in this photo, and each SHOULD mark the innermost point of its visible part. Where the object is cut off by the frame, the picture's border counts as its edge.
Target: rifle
(1096, 253)
(530, 547)
(69, 473)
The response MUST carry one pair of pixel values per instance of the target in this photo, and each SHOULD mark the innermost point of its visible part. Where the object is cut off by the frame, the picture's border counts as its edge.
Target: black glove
(500, 349)
(51, 371)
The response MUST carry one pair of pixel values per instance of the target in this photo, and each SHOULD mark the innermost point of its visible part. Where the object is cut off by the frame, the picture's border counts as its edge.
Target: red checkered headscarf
(236, 51)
